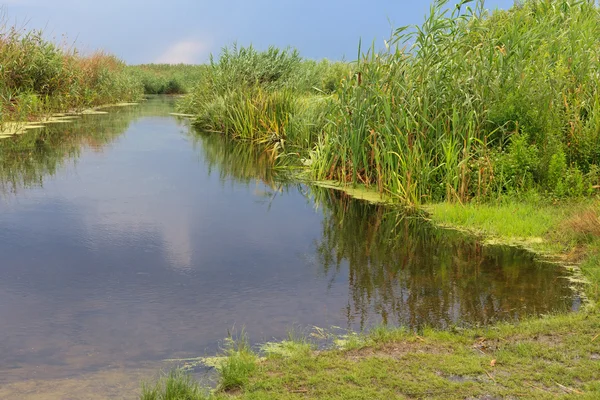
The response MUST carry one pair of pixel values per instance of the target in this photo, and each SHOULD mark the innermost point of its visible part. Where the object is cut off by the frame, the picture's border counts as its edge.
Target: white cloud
(186, 52)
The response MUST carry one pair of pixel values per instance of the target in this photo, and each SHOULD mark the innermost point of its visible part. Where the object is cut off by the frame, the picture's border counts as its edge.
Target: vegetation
(174, 386)
(38, 77)
(492, 120)
(472, 106)
(568, 231)
(273, 98)
(468, 106)
(536, 359)
(167, 78)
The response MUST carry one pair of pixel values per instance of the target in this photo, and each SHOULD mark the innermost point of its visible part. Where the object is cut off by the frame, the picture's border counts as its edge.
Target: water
(128, 238)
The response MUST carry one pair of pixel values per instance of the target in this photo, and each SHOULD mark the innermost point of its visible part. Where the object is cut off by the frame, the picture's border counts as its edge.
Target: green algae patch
(190, 364)
(9, 129)
(93, 112)
(115, 105)
(357, 192)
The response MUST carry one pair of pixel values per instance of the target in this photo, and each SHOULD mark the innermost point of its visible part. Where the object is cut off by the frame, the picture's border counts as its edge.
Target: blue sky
(141, 31)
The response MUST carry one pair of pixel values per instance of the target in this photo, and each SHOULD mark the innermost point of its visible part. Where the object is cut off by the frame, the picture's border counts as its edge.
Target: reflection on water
(411, 273)
(128, 238)
(26, 160)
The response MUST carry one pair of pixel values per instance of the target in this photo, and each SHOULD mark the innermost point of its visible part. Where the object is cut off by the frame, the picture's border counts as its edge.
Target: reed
(273, 98)
(470, 105)
(38, 77)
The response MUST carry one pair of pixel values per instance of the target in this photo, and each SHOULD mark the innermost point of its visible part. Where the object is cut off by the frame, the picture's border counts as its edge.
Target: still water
(128, 238)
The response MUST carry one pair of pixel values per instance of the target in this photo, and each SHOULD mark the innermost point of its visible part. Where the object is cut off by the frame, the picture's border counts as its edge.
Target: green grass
(175, 385)
(273, 98)
(38, 78)
(167, 78)
(567, 231)
(549, 357)
(510, 219)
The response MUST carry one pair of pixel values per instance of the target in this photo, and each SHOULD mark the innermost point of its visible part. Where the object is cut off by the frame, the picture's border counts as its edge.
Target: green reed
(272, 98)
(39, 77)
(472, 104)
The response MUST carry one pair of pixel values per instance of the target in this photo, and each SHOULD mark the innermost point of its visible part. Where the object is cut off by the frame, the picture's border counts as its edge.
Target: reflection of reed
(405, 271)
(236, 160)
(26, 160)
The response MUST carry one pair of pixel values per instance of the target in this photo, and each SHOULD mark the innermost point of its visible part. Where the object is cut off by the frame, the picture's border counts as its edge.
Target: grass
(175, 385)
(273, 98)
(167, 78)
(39, 78)
(550, 357)
(566, 231)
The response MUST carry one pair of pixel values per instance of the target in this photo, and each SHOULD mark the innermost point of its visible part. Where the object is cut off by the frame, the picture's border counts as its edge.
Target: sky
(188, 31)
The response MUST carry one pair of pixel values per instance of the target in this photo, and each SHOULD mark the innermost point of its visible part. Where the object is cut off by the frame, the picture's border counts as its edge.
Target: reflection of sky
(138, 251)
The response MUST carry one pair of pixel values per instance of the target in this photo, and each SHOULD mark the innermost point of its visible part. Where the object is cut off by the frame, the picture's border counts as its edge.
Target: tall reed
(39, 77)
(471, 104)
(273, 97)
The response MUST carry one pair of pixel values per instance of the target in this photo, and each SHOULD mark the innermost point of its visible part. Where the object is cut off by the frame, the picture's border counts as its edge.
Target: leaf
(493, 363)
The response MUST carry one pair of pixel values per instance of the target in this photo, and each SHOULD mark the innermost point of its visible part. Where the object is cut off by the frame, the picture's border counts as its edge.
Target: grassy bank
(546, 358)
(568, 232)
(167, 78)
(38, 78)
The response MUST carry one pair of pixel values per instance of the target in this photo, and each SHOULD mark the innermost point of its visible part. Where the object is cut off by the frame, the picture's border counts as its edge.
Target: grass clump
(38, 77)
(273, 97)
(167, 78)
(239, 363)
(175, 385)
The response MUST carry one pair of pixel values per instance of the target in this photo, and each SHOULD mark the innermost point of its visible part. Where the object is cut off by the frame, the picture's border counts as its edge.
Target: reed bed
(38, 77)
(274, 97)
(470, 105)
